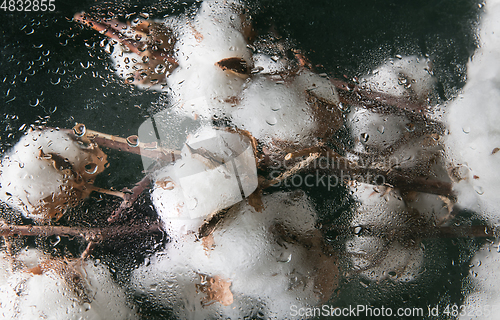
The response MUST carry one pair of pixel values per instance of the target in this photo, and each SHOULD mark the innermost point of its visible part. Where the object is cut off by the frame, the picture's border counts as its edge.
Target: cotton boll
(274, 111)
(373, 131)
(213, 36)
(471, 148)
(482, 296)
(217, 169)
(48, 288)
(265, 64)
(472, 119)
(263, 261)
(378, 257)
(48, 171)
(389, 141)
(406, 76)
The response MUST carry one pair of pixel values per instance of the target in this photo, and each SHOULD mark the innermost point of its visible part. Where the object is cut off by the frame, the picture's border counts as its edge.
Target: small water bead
(160, 68)
(79, 130)
(271, 121)
(34, 102)
(410, 127)
(133, 141)
(275, 107)
(91, 168)
(479, 190)
(364, 137)
(466, 130)
(381, 129)
(192, 203)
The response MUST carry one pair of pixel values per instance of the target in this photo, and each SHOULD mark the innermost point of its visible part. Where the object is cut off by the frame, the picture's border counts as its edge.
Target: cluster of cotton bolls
(388, 141)
(35, 286)
(253, 264)
(216, 75)
(472, 147)
(47, 172)
(217, 170)
(391, 135)
(377, 251)
(473, 141)
(229, 256)
(260, 259)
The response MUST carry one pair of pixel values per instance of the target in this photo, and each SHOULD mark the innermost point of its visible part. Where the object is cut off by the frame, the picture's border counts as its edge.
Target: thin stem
(89, 234)
(130, 144)
(344, 170)
(130, 198)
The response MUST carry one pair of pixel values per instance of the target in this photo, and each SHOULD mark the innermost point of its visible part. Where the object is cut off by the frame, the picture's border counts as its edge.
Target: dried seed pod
(143, 52)
(47, 172)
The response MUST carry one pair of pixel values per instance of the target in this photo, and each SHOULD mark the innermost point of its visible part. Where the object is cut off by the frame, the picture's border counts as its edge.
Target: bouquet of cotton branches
(249, 125)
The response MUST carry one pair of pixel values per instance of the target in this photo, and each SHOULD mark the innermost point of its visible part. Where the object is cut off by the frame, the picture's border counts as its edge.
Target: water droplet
(479, 190)
(91, 168)
(275, 107)
(466, 130)
(192, 203)
(410, 127)
(85, 65)
(357, 230)
(160, 68)
(381, 129)
(284, 258)
(364, 137)
(271, 121)
(54, 242)
(79, 130)
(55, 81)
(34, 102)
(133, 140)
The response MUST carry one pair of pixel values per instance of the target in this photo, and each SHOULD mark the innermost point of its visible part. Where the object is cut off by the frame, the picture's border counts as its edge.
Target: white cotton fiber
(378, 257)
(263, 257)
(214, 34)
(270, 110)
(482, 298)
(408, 76)
(472, 118)
(30, 292)
(374, 131)
(46, 165)
(217, 169)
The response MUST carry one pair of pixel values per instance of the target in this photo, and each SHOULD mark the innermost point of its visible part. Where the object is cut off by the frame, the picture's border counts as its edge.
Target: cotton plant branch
(130, 197)
(352, 171)
(130, 144)
(95, 235)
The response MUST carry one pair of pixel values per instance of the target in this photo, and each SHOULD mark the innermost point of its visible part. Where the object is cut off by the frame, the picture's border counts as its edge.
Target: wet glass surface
(352, 212)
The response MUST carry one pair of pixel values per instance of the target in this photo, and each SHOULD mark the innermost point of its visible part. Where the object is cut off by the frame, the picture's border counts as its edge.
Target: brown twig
(129, 144)
(353, 94)
(345, 170)
(90, 234)
(130, 198)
